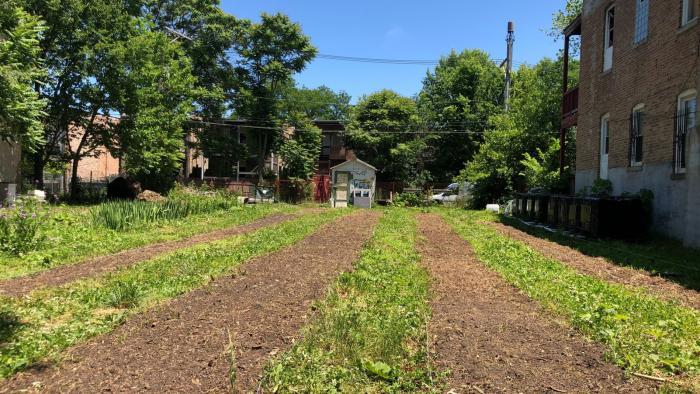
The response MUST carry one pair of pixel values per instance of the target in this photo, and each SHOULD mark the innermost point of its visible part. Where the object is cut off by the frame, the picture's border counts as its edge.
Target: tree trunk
(74, 185)
(38, 180)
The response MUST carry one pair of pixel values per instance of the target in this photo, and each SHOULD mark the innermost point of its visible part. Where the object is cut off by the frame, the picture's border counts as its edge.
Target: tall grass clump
(120, 214)
(370, 332)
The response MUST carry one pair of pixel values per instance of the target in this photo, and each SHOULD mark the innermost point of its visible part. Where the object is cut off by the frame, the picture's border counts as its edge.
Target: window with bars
(641, 29)
(636, 144)
(685, 120)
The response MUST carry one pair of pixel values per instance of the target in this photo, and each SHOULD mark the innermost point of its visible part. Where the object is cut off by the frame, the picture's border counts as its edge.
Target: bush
(296, 190)
(19, 228)
(410, 199)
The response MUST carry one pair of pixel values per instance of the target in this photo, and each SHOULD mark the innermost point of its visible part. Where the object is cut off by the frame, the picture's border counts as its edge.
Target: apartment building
(635, 105)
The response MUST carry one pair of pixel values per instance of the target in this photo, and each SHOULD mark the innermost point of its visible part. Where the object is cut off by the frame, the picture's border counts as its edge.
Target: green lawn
(71, 237)
(370, 332)
(642, 333)
(49, 320)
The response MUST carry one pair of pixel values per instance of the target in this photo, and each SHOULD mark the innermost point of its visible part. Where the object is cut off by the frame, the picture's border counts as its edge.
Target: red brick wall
(654, 73)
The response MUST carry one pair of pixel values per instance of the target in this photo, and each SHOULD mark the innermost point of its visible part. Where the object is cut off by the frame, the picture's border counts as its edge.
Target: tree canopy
(21, 109)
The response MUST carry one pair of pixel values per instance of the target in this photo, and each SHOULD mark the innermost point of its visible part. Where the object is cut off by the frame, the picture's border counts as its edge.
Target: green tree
(319, 103)
(77, 100)
(21, 109)
(207, 36)
(461, 94)
(517, 142)
(151, 84)
(380, 122)
(301, 151)
(268, 54)
(562, 18)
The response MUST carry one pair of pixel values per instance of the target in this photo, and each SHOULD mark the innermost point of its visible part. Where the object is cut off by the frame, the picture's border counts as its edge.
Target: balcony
(569, 117)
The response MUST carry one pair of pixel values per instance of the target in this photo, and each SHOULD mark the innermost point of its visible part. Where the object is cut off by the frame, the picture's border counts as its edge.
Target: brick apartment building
(635, 106)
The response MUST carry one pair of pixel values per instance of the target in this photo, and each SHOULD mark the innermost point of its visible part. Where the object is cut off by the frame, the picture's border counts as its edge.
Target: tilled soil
(188, 344)
(493, 338)
(101, 265)
(603, 269)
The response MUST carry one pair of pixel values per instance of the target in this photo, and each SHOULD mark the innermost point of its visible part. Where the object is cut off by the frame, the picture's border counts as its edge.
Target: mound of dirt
(149, 195)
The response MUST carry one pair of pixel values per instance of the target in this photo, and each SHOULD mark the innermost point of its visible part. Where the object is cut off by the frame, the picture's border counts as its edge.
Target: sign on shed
(353, 183)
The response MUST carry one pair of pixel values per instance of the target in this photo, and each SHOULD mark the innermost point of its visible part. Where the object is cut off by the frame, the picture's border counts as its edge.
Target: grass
(642, 333)
(71, 237)
(664, 257)
(370, 332)
(50, 320)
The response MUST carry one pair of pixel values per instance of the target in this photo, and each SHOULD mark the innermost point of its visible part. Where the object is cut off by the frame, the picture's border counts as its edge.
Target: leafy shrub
(19, 228)
(409, 199)
(602, 187)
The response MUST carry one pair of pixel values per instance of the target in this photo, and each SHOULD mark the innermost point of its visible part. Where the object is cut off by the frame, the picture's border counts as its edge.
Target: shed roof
(356, 160)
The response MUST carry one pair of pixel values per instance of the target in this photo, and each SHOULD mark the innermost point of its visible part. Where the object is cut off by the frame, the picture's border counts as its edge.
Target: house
(333, 149)
(10, 156)
(635, 106)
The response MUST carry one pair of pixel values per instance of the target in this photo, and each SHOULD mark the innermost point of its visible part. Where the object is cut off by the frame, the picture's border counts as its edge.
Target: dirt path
(185, 345)
(603, 269)
(495, 339)
(101, 265)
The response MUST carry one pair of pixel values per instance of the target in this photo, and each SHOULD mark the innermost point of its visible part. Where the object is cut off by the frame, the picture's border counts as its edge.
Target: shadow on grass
(10, 324)
(659, 256)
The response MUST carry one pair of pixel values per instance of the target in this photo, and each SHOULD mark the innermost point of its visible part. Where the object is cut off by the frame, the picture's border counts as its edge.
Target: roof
(357, 160)
(574, 28)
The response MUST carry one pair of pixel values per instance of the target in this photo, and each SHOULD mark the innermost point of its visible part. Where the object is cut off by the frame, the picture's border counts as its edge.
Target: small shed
(354, 182)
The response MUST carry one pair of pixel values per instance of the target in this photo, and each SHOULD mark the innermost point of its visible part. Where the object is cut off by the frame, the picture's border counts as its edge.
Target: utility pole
(510, 39)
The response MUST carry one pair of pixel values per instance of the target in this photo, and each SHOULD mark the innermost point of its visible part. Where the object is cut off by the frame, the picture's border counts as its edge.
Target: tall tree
(206, 35)
(151, 84)
(75, 96)
(267, 55)
(380, 122)
(319, 103)
(21, 109)
(463, 91)
(523, 137)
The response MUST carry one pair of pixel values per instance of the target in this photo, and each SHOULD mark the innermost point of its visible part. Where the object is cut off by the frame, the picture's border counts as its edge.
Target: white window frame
(604, 146)
(637, 131)
(609, 37)
(641, 26)
(683, 98)
(688, 12)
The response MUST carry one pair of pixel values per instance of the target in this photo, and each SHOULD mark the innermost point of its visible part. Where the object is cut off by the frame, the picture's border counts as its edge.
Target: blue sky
(407, 29)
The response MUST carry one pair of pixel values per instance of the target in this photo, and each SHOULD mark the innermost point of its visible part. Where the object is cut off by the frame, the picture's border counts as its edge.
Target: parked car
(448, 195)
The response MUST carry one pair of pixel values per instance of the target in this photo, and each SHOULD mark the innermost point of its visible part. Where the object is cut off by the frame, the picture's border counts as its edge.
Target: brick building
(635, 106)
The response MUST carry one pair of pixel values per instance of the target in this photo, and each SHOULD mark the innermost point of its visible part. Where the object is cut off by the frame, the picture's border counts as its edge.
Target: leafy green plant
(410, 199)
(19, 228)
(370, 332)
(602, 187)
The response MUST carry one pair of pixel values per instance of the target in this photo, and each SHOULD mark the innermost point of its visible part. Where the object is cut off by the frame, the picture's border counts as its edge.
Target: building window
(686, 116)
(604, 145)
(641, 29)
(636, 151)
(688, 11)
(609, 38)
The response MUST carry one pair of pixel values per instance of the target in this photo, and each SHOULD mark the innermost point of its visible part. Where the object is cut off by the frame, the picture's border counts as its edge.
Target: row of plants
(181, 202)
(369, 334)
(70, 237)
(41, 325)
(642, 333)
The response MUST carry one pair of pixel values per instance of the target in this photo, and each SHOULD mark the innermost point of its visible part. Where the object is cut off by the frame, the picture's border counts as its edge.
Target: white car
(448, 196)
